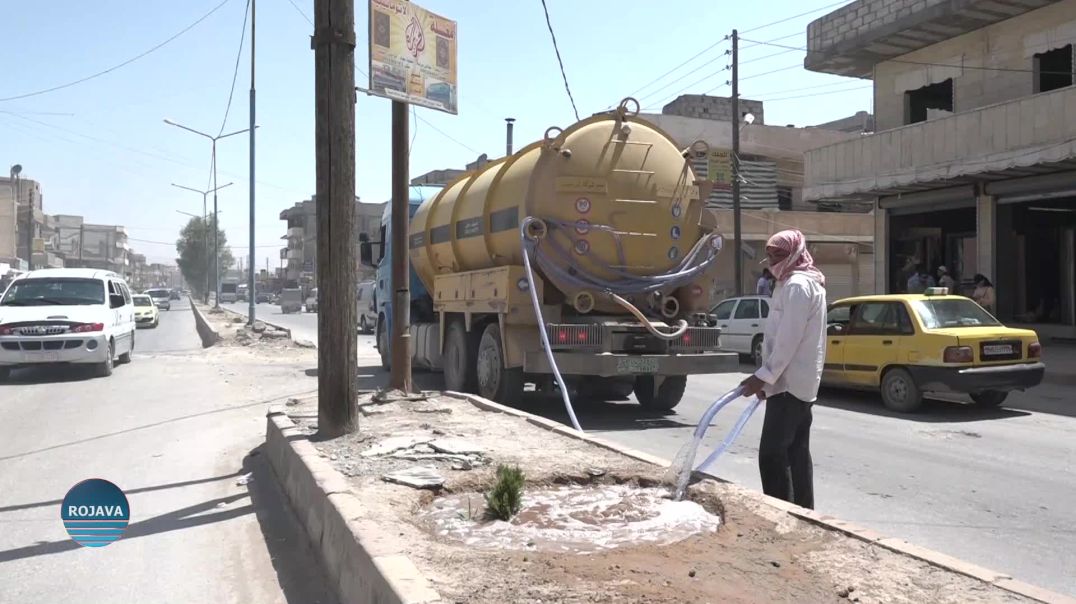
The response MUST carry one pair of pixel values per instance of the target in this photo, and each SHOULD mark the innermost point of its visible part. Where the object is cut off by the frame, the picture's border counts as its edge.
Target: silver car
(161, 297)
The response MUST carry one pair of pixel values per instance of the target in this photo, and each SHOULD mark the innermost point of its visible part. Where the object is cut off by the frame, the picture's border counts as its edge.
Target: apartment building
(81, 244)
(299, 257)
(21, 219)
(973, 162)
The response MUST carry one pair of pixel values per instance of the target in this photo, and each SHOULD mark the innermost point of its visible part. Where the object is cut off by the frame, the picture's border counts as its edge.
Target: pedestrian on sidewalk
(946, 280)
(765, 284)
(984, 292)
(793, 352)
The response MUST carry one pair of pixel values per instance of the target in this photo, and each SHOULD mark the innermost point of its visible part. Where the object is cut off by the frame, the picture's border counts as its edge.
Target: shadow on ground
(934, 410)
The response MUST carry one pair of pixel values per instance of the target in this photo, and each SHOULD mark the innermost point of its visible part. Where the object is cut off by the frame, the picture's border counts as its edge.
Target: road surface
(303, 325)
(989, 486)
(175, 432)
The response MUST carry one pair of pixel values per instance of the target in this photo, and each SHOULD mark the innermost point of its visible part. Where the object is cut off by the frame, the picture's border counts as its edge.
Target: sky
(101, 148)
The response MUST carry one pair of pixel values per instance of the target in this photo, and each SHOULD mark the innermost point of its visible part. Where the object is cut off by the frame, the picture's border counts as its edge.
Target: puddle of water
(572, 519)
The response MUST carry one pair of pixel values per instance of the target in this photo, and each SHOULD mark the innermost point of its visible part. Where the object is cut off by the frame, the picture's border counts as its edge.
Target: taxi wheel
(899, 391)
(990, 398)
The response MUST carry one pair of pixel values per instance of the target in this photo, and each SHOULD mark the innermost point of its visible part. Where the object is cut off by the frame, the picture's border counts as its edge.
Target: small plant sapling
(506, 496)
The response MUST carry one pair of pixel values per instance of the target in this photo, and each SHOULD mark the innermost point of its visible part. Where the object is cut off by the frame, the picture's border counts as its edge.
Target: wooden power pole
(400, 371)
(334, 98)
(737, 232)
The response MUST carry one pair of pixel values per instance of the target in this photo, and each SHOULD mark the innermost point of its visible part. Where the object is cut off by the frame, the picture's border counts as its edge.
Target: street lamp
(205, 231)
(213, 139)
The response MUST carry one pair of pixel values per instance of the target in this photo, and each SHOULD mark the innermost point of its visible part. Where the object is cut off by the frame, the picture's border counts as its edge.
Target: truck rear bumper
(611, 365)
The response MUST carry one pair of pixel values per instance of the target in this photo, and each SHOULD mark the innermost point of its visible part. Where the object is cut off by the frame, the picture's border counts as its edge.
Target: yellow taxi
(907, 344)
(146, 313)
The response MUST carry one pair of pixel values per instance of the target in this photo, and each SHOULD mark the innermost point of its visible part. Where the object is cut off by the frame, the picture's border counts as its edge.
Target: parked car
(69, 315)
(365, 307)
(291, 300)
(161, 298)
(146, 313)
(905, 345)
(742, 321)
(312, 301)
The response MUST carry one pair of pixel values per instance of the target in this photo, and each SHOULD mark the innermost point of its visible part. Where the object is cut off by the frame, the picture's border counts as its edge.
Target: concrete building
(861, 122)
(299, 257)
(21, 219)
(713, 108)
(81, 244)
(973, 164)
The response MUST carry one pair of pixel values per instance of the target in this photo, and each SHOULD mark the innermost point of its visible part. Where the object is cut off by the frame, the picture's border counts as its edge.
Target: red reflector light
(686, 339)
(88, 327)
(582, 336)
(562, 336)
(1034, 350)
(6, 331)
(958, 354)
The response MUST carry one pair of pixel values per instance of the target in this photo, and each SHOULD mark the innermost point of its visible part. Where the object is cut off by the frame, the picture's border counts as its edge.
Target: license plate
(632, 365)
(997, 349)
(47, 357)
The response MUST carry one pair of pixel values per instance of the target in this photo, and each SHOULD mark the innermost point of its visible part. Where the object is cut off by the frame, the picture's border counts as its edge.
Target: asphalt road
(992, 487)
(303, 325)
(175, 431)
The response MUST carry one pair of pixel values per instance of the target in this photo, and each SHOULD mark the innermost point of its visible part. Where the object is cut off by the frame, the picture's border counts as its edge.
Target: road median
(382, 541)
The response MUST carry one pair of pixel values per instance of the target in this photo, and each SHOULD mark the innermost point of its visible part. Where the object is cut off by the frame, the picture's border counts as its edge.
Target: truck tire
(900, 392)
(460, 359)
(663, 398)
(383, 345)
(606, 389)
(989, 398)
(495, 381)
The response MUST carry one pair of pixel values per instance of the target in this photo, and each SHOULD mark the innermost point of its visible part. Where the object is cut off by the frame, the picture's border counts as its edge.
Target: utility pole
(400, 372)
(81, 240)
(737, 233)
(334, 98)
(250, 274)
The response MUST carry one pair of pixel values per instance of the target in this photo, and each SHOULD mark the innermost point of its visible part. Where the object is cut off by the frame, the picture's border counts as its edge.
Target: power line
(235, 74)
(787, 19)
(693, 57)
(695, 83)
(770, 56)
(446, 135)
(801, 88)
(929, 64)
(666, 86)
(556, 48)
(803, 96)
(123, 64)
(766, 73)
(797, 34)
(301, 12)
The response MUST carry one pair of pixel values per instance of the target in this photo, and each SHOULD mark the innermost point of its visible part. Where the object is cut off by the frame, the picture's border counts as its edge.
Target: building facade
(973, 164)
(22, 218)
(299, 257)
(78, 244)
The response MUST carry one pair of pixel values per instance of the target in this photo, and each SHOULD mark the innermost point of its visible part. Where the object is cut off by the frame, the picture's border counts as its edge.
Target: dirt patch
(756, 553)
(234, 331)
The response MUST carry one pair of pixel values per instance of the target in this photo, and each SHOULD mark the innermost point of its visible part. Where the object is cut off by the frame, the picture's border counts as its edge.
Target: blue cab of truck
(421, 304)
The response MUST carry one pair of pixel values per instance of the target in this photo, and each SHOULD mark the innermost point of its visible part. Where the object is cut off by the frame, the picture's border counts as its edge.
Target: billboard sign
(412, 55)
(719, 168)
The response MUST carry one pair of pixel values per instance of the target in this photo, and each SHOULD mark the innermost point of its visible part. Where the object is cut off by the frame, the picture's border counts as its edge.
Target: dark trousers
(784, 452)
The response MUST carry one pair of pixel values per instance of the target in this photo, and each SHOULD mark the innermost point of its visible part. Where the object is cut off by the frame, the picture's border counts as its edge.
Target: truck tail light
(581, 336)
(6, 330)
(88, 327)
(958, 354)
(1034, 350)
(562, 336)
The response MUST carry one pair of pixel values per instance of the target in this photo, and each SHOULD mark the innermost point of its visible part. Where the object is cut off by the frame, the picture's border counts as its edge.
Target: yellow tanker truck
(601, 229)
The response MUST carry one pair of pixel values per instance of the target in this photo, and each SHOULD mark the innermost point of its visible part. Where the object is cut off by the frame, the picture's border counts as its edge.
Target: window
(937, 314)
(381, 248)
(839, 315)
(113, 290)
(724, 310)
(784, 198)
(765, 309)
(928, 102)
(748, 309)
(1053, 69)
(126, 293)
(54, 292)
(880, 318)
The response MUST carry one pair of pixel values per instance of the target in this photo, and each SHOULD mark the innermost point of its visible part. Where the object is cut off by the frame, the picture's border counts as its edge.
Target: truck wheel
(900, 392)
(606, 389)
(989, 398)
(363, 327)
(495, 381)
(662, 398)
(460, 359)
(383, 346)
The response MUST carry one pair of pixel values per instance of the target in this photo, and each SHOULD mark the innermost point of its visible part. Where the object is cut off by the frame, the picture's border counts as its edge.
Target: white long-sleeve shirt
(794, 339)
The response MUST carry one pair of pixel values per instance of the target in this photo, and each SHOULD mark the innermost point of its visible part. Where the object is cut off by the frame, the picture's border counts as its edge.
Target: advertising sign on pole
(412, 55)
(719, 169)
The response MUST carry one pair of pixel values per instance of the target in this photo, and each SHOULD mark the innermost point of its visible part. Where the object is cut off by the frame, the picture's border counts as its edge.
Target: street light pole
(205, 224)
(250, 274)
(216, 249)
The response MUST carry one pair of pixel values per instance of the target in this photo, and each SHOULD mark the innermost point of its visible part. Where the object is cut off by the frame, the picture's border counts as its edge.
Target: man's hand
(753, 386)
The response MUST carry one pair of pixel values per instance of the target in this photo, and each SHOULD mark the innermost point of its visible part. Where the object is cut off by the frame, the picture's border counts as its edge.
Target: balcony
(295, 253)
(854, 38)
(1031, 135)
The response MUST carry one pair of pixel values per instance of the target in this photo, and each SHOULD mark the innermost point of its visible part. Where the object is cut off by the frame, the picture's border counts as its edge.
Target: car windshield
(937, 314)
(157, 293)
(55, 292)
(142, 301)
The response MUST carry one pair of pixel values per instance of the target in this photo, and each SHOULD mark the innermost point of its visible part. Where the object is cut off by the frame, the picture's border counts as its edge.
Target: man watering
(793, 352)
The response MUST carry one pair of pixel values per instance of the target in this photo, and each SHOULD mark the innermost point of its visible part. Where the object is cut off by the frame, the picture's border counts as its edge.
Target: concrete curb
(273, 325)
(997, 579)
(206, 332)
(363, 563)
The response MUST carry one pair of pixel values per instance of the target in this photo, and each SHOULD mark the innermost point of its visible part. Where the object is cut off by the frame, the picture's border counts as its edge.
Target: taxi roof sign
(936, 291)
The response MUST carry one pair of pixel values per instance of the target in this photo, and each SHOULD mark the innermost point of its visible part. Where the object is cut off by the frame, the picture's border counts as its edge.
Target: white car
(742, 321)
(73, 315)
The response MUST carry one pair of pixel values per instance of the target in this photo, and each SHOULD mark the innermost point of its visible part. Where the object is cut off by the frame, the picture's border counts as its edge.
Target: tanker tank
(612, 207)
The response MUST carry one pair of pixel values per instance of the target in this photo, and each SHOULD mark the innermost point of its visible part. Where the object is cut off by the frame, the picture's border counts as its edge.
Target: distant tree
(192, 250)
